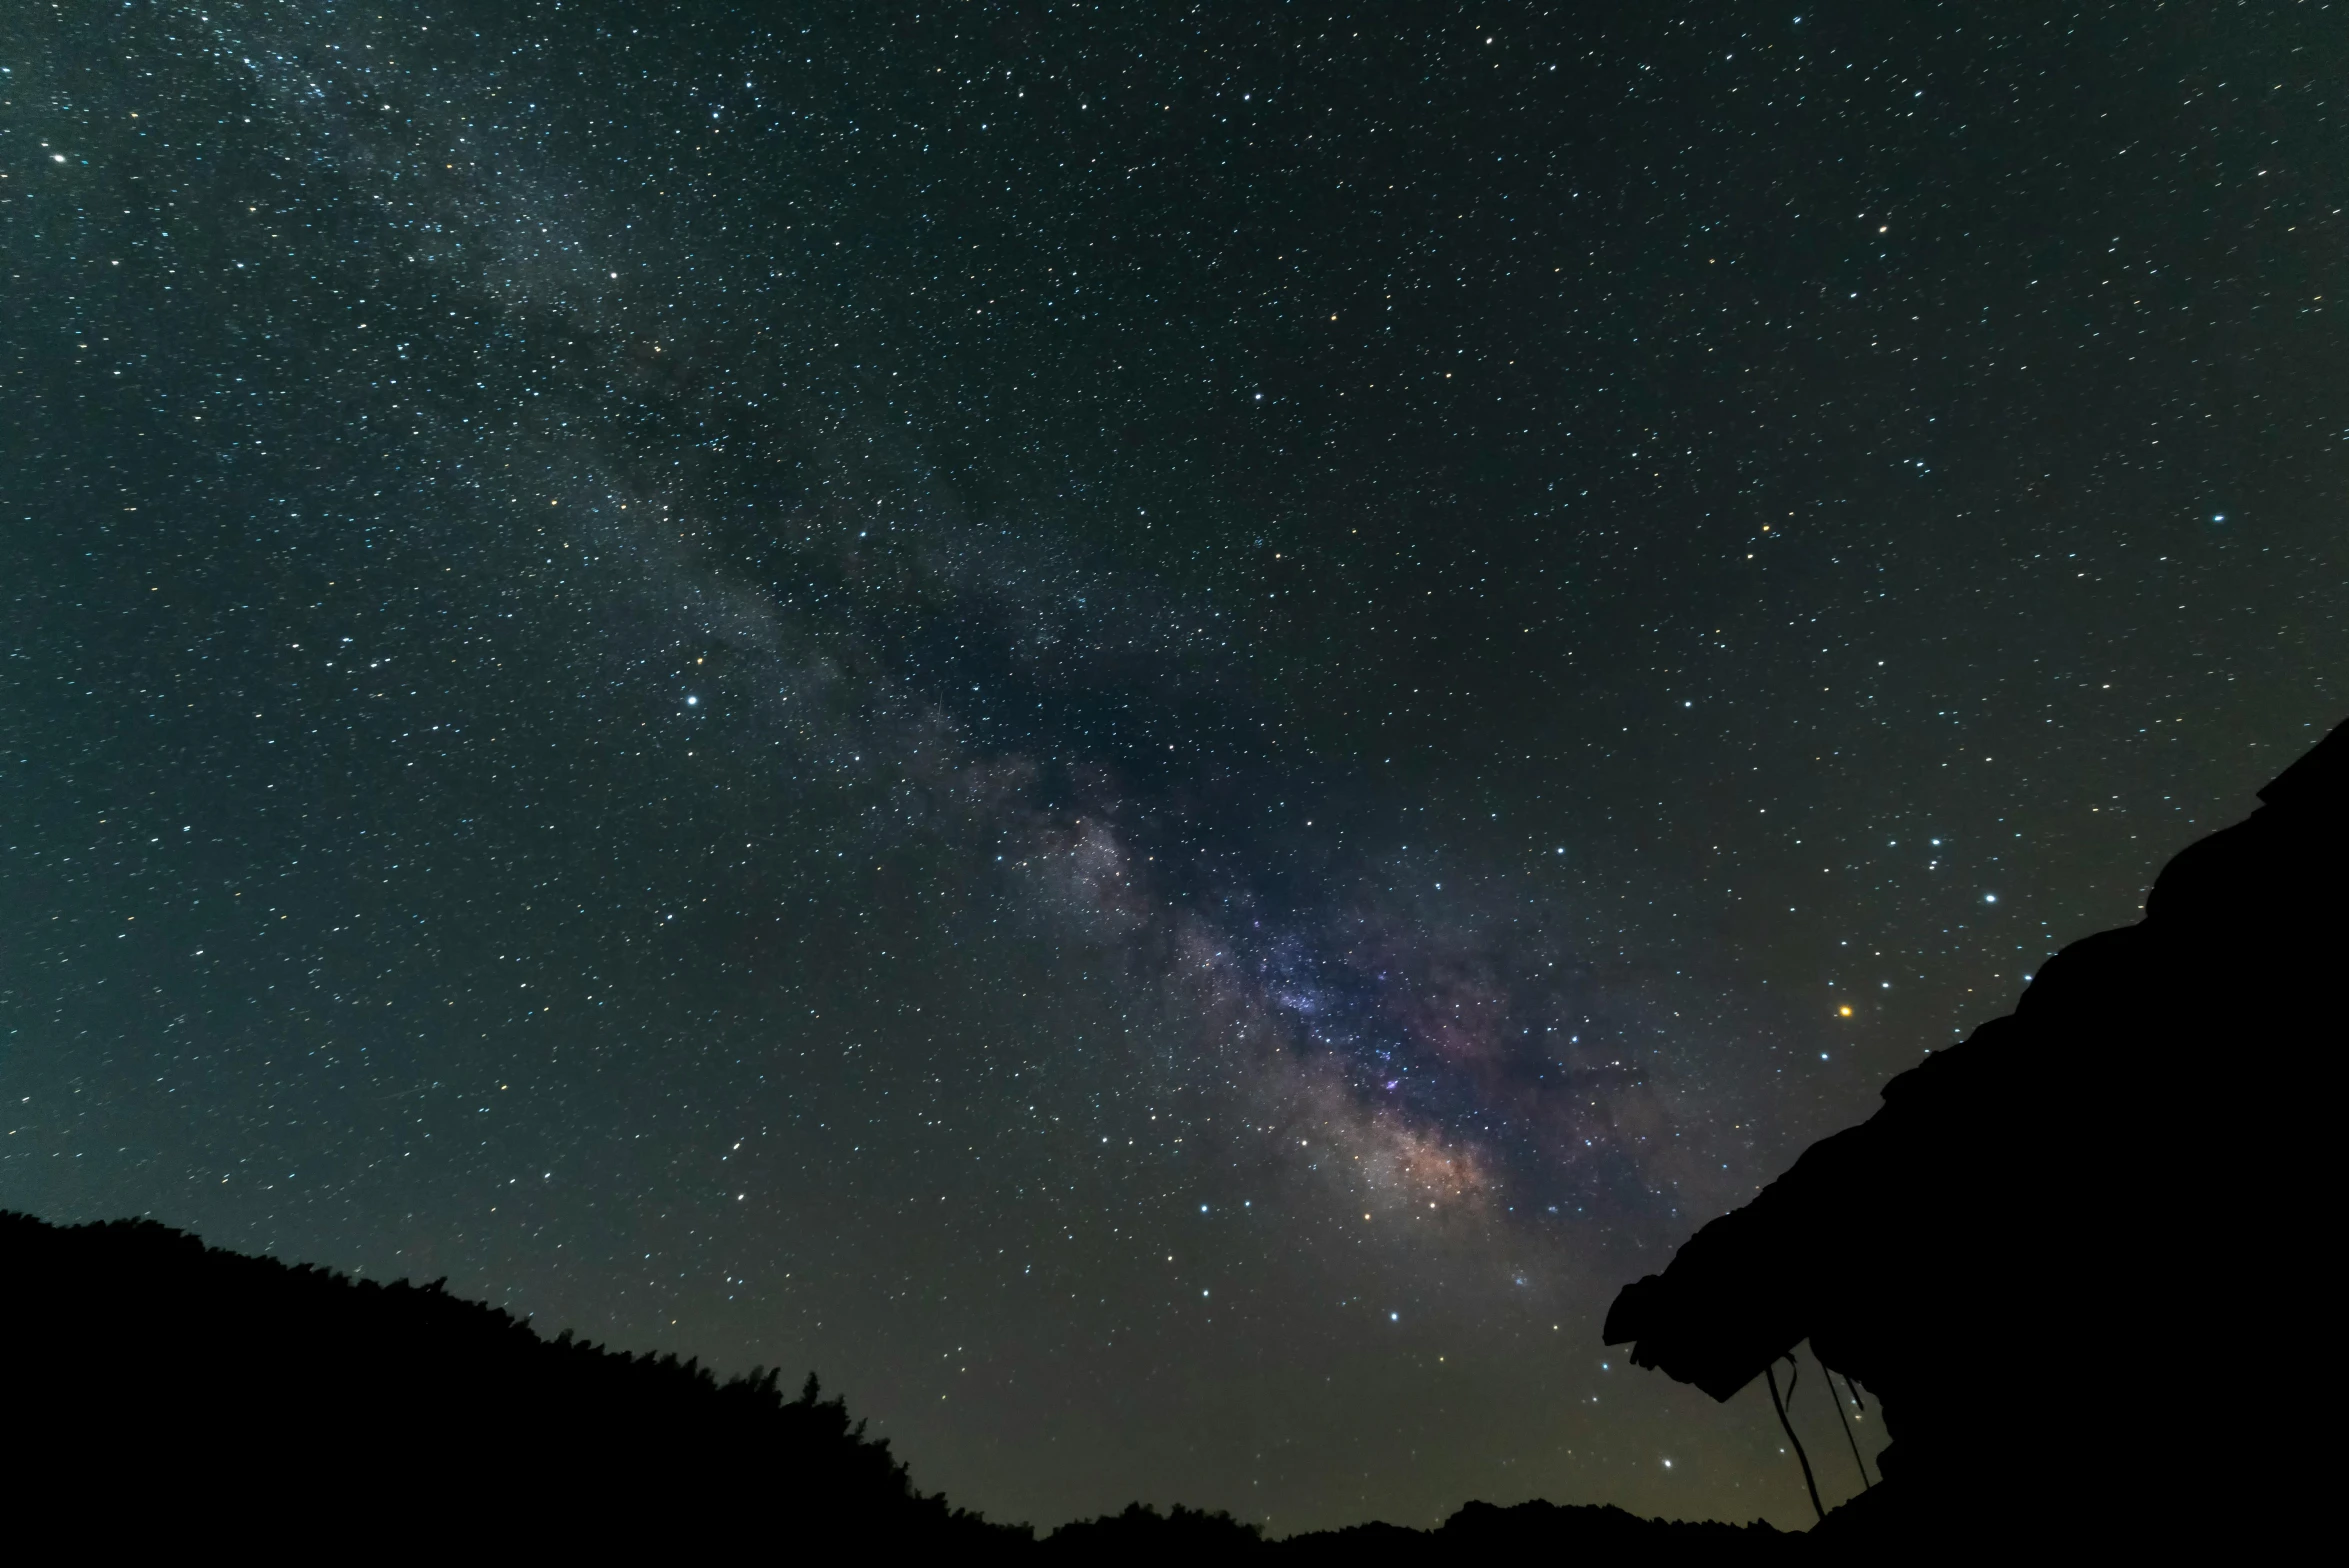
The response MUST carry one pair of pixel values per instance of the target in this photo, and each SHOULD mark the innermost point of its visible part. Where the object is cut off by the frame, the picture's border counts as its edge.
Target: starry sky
(1154, 728)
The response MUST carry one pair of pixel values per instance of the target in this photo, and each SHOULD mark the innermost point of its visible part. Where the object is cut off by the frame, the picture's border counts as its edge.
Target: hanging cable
(1836, 1400)
(1770, 1374)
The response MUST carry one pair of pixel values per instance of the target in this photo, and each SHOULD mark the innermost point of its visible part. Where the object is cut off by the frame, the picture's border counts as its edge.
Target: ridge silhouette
(2019, 1254)
(192, 1383)
(164, 1390)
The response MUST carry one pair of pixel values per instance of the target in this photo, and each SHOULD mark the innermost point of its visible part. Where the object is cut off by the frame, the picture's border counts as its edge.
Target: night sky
(1153, 728)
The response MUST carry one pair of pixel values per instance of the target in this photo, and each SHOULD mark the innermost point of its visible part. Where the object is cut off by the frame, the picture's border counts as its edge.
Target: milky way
(1000, 690)
(1155, 733)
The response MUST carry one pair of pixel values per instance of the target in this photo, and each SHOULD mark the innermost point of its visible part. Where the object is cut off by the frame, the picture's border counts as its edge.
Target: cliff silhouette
(2027, 1254)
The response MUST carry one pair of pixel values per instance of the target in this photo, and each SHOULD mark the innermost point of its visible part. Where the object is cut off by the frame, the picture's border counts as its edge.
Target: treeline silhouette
(1528, 1530)
(2021, 1254)
(159, 1388)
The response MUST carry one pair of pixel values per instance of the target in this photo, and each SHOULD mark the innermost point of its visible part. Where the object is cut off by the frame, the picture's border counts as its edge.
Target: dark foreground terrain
(2025, 1257)
(165, 1390)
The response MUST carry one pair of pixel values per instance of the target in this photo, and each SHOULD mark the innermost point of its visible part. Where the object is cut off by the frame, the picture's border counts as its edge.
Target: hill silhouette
(1476, 1530)
(2017, 1252)
(162, 1388)
(1531, 1531)
(167, 1380)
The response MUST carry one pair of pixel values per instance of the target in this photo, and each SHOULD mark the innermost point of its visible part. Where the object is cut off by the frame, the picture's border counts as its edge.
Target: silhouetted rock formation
(159, 1387)
(2021, 1252)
